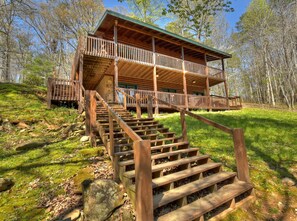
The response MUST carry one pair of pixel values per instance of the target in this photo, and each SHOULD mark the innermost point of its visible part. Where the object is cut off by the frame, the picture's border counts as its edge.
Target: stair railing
(138, 101)
(236, 133)
(142, 159)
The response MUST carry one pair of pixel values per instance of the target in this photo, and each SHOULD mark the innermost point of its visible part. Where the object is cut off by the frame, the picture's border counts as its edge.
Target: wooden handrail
(105, 48)
(198, 117)
(236, 133)
(143, 166)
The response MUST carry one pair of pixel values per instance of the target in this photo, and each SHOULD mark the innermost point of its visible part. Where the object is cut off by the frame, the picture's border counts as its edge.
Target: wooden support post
(80, 76)
(49, 92)
(93, 120)
(209, 105)
(110, 149)
(225, 84)
(116, 70)
(138, 107)
(155, 76)
(149, 106)
(87, 108)
(125, 101)
(183, 125)
(185, 80)
(241, 155)
(143, 180)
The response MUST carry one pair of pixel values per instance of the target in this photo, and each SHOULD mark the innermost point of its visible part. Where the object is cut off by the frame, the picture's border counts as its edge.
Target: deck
(179, 100)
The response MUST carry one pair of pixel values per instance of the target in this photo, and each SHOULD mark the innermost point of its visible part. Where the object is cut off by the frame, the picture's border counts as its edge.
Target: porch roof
(108, 19)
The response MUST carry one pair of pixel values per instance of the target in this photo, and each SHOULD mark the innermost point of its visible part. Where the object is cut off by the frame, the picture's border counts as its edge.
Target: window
(130, 86)
(169, 90)
(198, 93)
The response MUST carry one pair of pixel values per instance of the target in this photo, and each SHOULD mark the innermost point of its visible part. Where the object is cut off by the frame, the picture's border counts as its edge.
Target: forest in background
(38, 38)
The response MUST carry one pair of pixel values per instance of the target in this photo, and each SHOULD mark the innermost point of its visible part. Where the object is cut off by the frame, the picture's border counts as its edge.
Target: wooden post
(149, 106)
(49, 92)
(116, 70)
(225, 84)
(207, 85)
(138, 107)
(183, 125)
(125, 101)
(155, 76)
(241, 155)
(143, 180)
(110, 150)
(87, 108)
(185, 80)
(80, 78)
(93, 120)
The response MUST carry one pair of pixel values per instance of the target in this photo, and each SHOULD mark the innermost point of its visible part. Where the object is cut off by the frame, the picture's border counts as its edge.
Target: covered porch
(127, 97)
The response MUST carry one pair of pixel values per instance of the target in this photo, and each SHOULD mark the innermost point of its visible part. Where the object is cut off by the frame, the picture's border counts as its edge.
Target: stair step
(161, 155)
(139, 131)
(128, 138)
(206, 204)
(129, 120)
(159, 167)
(133, 123)
(152, 141)
(171, 178)
(129, 152)
(187, 189)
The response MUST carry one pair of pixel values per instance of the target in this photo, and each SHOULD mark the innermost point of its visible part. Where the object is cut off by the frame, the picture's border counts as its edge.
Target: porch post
(80, 78)
(155, 76)
(116, 73)
(185, 80)
(207, 85)
(225, 84)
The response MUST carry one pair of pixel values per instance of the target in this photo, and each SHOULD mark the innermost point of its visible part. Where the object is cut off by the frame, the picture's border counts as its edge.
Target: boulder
(23, 125)
(101, 199)
(84, 139)
(82, 175)
(5, 184)
(288, 182)
(72, 216)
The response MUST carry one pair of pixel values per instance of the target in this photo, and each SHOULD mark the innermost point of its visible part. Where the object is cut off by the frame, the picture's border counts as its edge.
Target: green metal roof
(124, 17)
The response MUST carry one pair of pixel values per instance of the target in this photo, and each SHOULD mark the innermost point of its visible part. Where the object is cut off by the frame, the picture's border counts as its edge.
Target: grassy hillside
(271, 141)
(40, 150)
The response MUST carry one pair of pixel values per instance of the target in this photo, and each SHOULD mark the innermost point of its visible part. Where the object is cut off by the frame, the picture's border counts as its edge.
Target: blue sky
(240, 7)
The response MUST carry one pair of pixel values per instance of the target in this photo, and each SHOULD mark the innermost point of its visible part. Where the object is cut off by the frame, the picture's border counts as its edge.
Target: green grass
(45, 155)
(271, 142)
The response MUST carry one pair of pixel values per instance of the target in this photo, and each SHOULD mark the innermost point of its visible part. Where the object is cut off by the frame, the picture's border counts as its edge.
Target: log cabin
(135, 57)
(125, 64)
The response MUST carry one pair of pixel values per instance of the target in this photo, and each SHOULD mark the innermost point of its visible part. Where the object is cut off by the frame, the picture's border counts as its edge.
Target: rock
(5, 184)
(73, 215)
(82, 175)
(101, 198)
(288, 182)
(22, 125)
(84, 139)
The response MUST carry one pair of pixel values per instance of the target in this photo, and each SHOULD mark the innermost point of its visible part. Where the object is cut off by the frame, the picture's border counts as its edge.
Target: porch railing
(194, 101)
(105, 48)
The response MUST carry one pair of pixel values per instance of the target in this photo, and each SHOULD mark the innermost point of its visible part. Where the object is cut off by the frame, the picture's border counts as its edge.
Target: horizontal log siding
(143, 84)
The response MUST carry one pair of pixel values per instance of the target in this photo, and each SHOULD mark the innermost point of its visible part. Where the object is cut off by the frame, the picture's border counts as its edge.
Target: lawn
(39, 150)
(271, 142)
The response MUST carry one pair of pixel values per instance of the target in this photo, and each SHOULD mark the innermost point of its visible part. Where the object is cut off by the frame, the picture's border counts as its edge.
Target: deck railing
(194, 101)
(105, 48)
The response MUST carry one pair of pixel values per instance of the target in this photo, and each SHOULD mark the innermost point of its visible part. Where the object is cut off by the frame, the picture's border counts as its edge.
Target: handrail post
(138, 107)
(241, 155)
(125, 101)
(87, 108)
(143, 180)
(49, 92)
(93, 120)
(150, 106)
(183, 125)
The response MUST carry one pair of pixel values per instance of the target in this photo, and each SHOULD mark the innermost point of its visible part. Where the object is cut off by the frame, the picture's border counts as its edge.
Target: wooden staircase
(186, 184)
